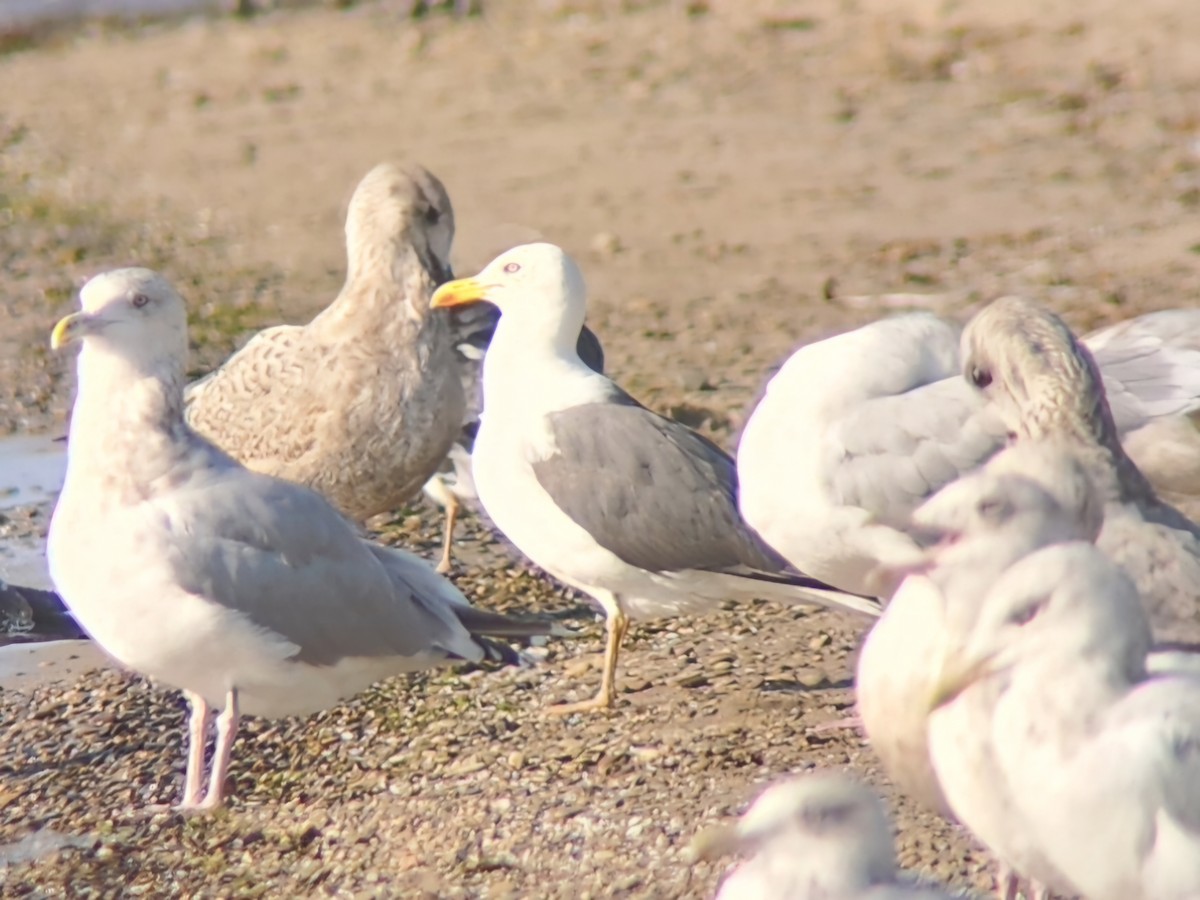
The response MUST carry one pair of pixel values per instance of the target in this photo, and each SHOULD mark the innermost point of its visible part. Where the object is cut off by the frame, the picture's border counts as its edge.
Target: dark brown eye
(981, 378)
(512, 267)
(432, 215)
(1025, 614)
(990, 508)
(139, 300)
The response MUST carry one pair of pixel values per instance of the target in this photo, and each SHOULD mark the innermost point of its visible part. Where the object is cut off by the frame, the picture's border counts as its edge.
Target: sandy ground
(735, 178)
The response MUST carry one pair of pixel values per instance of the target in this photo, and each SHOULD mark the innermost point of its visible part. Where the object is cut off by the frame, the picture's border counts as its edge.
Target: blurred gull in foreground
(854, 432)
(364, 402)
(813, 837)
(1100, 761)
(631, 508)
(984, 522)
(239, 588)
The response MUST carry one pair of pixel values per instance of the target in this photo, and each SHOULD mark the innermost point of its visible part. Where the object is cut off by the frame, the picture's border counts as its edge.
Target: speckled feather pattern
(363, 403)
(1047, 387)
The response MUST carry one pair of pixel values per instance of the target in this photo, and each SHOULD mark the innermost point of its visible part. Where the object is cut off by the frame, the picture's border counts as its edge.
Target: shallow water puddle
(40, 844)
(26, 666)
(25, 13)
(32, 468)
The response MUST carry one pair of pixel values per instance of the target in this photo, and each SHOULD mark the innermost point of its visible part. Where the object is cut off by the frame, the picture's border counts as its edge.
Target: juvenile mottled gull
(472, 328)
(1045, 386)
(631, 508)
(813, 837)
(236, 587)
(1102, 760)
(855, 431)
(364, 402)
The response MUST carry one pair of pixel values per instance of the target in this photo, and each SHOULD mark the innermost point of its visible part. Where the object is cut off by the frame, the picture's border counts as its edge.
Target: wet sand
(24, 667)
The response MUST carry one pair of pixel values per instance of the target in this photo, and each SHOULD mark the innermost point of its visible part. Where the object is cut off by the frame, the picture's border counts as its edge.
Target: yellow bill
(69, 329)
(458, 293)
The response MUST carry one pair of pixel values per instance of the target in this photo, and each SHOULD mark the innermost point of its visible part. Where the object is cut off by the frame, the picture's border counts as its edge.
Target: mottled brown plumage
(364, 402)
(1045, 385)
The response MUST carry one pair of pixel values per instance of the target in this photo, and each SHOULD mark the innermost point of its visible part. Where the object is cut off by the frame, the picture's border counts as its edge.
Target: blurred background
(735, 176)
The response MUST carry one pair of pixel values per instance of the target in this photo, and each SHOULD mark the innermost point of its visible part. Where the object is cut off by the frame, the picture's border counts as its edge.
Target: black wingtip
(500, 653)
(34, 614)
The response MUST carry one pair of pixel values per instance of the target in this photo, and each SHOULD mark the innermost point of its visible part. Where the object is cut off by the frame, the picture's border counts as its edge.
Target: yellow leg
(618, 626)
(445, 564)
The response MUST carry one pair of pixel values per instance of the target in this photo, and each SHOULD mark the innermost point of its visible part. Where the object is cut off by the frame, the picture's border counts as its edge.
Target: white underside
(207, 649)
(898, 668)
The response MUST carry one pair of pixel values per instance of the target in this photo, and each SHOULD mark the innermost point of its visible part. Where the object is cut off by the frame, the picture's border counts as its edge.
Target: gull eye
(432, 215)
(139, 300)
(990, 508)
(1025, 614)
(512, 267)
(981, 378)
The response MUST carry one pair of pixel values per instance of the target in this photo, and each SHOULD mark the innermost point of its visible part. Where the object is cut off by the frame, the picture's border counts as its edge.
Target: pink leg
(1008, 882)
(197, 741)
(227, 725)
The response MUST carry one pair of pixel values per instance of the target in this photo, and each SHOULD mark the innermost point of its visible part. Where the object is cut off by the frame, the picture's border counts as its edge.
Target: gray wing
(1156, 731)
(1151, 366)
(1164, 562)
(282, 556)
(889, 454)
(654, 493)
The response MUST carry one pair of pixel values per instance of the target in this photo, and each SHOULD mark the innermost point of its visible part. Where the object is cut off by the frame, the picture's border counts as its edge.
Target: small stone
(606, 244)
(579, 667)
(811, 678)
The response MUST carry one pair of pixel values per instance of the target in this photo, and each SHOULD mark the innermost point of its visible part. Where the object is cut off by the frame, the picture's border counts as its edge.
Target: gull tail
(482, 622)
(794, 587)
(485, 626)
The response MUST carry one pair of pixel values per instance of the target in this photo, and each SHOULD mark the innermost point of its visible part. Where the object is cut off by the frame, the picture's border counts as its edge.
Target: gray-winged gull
(239, 588)
(1044, 385)
(471, 328)
(631, 508)
(364, 402)
(855, 431)
(812, 837)
(1101, 760)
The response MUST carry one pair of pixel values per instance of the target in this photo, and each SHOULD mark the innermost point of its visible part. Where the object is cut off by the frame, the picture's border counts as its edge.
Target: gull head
(133, 313)
(1028, 364)
(1065, 604)
(539, 284)
(397, 205)
(1034, 489)
(824, 822)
